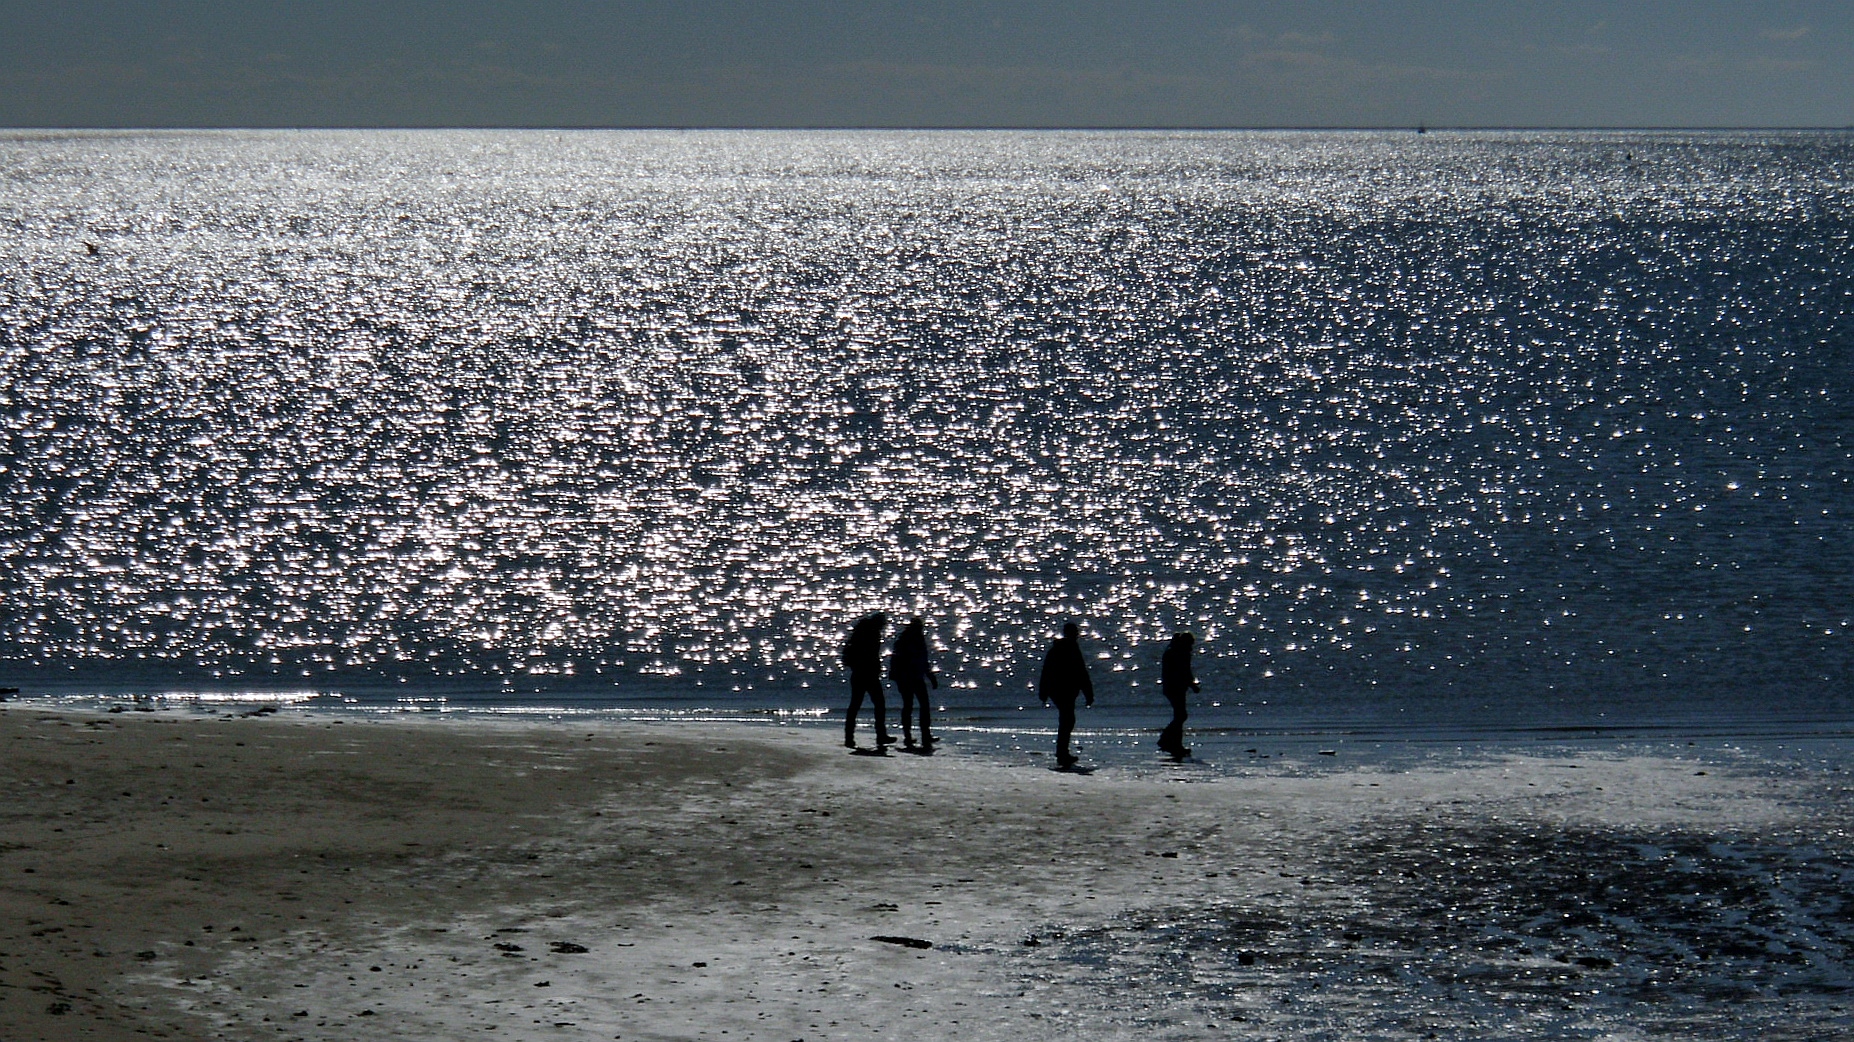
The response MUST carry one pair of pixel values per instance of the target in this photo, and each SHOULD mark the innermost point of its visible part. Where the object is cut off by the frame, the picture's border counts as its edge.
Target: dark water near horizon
(1483, 432)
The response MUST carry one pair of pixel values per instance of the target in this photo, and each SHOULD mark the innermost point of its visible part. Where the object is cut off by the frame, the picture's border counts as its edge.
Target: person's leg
(856, 706)
(1065, 725)
(926, 715)
(907, 711)
(881, 713)
(1172, 738)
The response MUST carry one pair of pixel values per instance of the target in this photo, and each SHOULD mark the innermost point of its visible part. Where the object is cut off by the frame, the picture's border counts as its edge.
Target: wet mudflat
(280, 878)
(1457, 928)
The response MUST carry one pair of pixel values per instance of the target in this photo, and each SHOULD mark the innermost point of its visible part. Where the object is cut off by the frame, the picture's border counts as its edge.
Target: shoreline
(207, 877)
(1119, 739)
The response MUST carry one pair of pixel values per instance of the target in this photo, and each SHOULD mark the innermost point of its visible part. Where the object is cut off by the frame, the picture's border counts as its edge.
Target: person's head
(1183, 640)
(1070, 631)
(915, 623)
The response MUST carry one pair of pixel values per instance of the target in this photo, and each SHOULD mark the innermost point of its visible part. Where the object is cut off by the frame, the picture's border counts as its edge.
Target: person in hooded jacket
(1065, 677)
(862, 656)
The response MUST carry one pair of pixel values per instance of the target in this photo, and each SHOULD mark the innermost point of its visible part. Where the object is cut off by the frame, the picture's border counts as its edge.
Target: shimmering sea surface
(1446, 434)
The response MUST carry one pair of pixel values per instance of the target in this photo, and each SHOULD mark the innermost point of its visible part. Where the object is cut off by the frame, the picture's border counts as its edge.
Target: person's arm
(924, 663)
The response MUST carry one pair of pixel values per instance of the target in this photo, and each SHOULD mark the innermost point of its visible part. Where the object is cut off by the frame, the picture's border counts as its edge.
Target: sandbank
(307, 877)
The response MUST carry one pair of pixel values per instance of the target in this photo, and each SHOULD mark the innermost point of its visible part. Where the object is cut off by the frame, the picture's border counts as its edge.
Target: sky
(924, 63)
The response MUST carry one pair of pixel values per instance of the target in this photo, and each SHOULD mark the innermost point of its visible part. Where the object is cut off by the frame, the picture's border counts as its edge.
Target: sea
(1427, 438)
(1444, 445)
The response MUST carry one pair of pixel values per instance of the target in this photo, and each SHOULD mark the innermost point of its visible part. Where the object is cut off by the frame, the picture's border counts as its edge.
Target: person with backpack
(912, 673)
(1175, 679)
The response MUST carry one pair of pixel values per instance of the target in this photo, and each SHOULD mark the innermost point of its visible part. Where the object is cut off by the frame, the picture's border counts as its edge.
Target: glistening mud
(1416, 929)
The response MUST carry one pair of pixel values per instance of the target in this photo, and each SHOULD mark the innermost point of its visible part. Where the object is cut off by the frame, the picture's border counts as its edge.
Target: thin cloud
(1718, 65)
(1354, 72)
(1785, 35)
(1783, 66)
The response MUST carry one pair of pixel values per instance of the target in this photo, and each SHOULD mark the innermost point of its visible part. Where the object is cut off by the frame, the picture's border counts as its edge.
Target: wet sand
(302, 878)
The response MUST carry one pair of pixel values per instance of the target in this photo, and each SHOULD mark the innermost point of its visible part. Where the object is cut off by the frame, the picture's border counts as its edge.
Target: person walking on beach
(1065, 675)
(912, 673)
(862, 656)
(1175, 678)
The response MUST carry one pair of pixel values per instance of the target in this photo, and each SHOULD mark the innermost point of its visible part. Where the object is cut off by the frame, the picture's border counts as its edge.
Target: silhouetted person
(1176, 678)
(912, 674)
(862, 655)
(1065, 675)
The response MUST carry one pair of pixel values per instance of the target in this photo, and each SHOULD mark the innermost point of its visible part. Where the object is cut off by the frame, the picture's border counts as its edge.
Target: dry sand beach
(316, 878)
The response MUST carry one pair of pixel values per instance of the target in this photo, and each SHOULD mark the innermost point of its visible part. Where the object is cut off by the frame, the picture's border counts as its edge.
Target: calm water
(1486, 431)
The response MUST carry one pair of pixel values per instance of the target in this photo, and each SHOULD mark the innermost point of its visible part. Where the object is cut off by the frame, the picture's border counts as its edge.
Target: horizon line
(951, 127)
